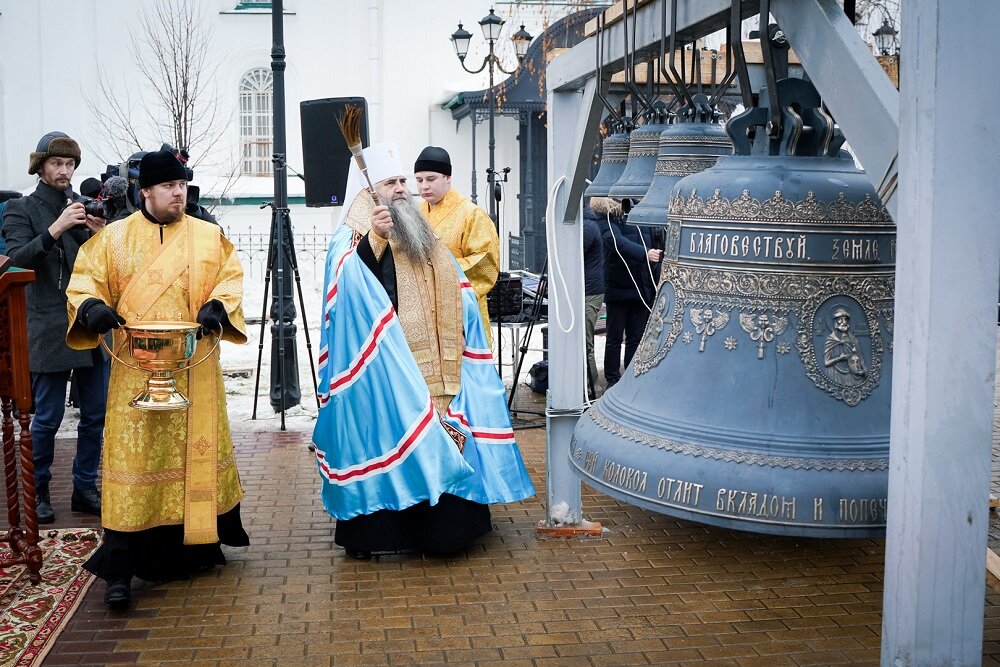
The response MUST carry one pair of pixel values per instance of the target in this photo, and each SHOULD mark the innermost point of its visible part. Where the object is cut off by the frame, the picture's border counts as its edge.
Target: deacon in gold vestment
(170, 488)
(461, 225)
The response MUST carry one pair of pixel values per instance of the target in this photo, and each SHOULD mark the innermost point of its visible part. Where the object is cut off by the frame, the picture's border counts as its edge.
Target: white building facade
(62, 59)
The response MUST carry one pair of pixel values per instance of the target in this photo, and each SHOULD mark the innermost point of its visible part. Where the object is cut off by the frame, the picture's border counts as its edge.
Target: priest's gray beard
(411, 232)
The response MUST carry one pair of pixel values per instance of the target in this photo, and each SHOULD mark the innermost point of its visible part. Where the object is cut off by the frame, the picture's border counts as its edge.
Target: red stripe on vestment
(458, 416)
(331, 294)
(367, 353)
(501, 435)
(410, 439)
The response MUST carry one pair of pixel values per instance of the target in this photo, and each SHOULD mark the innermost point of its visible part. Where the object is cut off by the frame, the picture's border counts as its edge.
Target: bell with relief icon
(759, 396)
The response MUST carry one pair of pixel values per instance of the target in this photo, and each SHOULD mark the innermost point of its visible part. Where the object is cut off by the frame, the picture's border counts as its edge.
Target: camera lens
(95, 208)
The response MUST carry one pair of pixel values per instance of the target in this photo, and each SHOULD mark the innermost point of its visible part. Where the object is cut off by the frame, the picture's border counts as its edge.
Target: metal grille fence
(251, 246)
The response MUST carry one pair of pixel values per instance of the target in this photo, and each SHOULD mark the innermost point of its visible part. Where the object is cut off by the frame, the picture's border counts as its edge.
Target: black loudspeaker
(325, 156)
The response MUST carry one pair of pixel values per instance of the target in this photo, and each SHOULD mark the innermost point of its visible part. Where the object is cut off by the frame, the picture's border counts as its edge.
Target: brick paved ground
(652, 591)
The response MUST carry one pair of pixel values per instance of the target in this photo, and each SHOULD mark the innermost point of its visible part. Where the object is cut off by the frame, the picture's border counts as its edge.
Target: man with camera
(43, 232)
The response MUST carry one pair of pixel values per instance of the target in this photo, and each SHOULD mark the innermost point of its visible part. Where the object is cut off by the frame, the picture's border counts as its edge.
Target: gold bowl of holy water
(160, 349)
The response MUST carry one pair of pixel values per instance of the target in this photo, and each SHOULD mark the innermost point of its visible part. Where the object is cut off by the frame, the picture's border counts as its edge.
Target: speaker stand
(281, 254)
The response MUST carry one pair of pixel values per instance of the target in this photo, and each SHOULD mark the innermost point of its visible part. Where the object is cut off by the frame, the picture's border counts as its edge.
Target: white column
(945, 337)
(573, 118)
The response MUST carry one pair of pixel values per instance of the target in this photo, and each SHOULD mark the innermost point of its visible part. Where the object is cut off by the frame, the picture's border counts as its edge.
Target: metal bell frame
(759, 396)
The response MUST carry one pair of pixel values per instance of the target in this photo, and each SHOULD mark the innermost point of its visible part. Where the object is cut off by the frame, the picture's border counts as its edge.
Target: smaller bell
(614, 155)
(685, 148)
(644, 145)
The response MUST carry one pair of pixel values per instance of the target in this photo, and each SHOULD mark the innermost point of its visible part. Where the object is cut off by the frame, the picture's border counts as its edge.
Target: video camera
(104, 200)
(116, 195)
(128, 200)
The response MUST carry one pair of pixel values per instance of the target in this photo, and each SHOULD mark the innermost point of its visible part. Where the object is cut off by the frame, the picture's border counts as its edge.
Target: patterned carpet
(31, 617)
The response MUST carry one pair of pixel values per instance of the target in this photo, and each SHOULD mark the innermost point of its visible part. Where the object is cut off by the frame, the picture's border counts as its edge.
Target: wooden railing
(15, 393)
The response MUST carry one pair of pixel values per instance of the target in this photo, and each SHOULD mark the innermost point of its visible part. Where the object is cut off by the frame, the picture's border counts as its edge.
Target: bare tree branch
(113, 115)
(178, 101)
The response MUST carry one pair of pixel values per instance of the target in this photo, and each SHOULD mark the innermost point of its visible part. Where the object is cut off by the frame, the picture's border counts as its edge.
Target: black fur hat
(53, 144)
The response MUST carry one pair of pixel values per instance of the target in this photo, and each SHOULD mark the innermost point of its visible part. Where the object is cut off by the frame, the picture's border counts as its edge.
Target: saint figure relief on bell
(842, 357)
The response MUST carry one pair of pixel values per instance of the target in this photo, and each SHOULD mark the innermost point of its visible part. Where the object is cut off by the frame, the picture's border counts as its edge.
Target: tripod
(281, 253)
(536, 311)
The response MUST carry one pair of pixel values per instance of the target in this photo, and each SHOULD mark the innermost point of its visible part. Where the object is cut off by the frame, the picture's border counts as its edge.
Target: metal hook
(727, 80)
(696, 67)
(678, 93)
(773, 127)
(673, 48)
(630, 62)
(600, 68)
(739, 58)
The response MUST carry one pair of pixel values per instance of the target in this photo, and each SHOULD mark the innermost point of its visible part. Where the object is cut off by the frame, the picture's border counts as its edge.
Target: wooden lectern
(15, 391)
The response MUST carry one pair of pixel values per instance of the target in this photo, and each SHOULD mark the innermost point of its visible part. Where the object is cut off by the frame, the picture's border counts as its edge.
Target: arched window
(256, 112)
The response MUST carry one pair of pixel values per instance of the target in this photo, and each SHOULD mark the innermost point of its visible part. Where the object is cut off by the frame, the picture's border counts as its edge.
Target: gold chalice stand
(161, 349)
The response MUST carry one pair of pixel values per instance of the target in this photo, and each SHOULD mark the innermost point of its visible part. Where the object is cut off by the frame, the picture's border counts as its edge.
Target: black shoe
(119, 593)
(86, 500)
(43, 507)
(358, 554)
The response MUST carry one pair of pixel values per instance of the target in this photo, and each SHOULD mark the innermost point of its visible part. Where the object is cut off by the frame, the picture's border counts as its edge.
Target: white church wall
(398, 55)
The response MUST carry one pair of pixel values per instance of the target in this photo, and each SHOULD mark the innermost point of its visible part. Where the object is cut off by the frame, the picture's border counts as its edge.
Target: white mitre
(383, 162)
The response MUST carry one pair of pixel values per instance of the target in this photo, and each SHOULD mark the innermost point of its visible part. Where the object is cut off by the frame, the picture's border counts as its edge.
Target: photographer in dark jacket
(631, 267)
(43, 232)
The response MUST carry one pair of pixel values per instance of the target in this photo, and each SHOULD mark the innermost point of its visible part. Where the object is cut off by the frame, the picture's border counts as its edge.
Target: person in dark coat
(593, 279)
(43, 232)
(631, 267)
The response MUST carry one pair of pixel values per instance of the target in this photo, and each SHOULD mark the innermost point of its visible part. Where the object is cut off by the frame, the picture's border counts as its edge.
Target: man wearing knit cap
(44, 232)
(171, 491)
(413, 439)
(464, 227)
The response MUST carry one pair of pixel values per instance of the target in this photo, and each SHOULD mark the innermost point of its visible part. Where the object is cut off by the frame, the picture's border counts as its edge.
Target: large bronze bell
(685, 149)
(759, 396)
(614, 155)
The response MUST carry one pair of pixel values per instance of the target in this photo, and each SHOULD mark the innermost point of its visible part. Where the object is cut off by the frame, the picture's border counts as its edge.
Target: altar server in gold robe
(461, 225)
(170, 491)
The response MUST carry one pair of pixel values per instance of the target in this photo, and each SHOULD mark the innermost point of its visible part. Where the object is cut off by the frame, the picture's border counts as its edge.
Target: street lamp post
(885, 38)
(885, 42)
(491, 25)
(281, 264)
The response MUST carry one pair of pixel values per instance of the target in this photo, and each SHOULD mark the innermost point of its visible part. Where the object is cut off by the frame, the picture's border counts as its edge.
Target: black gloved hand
(98, 317)
(211, 317)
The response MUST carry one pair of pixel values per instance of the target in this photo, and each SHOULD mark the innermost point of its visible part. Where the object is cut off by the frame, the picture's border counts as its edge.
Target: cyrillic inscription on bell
(761, 384)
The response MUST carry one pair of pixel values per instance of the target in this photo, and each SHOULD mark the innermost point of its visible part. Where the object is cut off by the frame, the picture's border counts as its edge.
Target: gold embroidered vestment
(472, 238)
(430, 308)
(173, 466)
